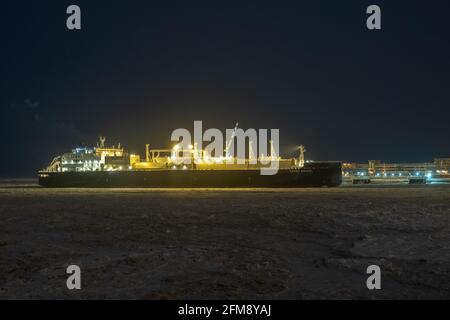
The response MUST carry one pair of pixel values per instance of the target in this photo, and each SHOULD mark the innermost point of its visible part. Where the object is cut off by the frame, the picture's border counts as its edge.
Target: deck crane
(230, 142)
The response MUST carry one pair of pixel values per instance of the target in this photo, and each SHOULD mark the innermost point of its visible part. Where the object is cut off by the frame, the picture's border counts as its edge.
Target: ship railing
(54, 165)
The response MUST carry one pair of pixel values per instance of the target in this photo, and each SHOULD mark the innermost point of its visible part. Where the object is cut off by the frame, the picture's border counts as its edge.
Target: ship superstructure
(98, 158)
(101, 158)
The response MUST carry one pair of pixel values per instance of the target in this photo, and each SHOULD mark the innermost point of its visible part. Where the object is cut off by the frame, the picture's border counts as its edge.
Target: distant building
(440, 166)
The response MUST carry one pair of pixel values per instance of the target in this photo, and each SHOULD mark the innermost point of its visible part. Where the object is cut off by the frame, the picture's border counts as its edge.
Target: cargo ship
(178, 167)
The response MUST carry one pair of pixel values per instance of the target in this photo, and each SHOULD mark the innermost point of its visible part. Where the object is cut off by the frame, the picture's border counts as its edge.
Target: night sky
(139, 69)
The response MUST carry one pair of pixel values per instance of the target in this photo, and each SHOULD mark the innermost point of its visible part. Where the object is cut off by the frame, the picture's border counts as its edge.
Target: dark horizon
(136, 71)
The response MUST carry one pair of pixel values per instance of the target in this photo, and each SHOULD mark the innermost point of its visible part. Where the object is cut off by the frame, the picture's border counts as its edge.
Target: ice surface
(222, 243)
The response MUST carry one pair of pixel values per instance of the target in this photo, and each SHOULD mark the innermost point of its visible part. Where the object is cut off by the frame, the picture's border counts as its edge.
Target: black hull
(328, 174)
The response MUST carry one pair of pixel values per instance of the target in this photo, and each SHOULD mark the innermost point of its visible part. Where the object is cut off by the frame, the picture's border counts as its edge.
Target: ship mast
(273, 154)
(301, 156)
(102, 141)
(147, 152)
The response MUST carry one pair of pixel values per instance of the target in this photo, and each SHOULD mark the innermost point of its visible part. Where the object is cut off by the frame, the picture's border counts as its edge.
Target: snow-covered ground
(248, 243)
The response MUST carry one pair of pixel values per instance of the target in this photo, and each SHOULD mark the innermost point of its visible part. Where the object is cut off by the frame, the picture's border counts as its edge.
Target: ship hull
(317, 175)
